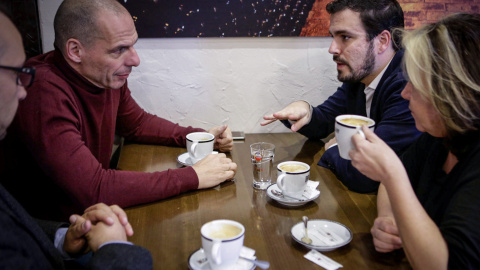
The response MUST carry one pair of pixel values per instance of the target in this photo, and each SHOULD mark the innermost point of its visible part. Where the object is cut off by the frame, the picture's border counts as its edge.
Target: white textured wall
(204, 82)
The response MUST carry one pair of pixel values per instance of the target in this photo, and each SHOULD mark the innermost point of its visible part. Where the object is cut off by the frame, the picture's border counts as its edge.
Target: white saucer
(288, 201)
(198, 261)
(185, 160)
(338, 234)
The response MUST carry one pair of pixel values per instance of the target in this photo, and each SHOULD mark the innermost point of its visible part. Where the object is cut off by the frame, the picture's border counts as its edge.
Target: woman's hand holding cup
(373, 157)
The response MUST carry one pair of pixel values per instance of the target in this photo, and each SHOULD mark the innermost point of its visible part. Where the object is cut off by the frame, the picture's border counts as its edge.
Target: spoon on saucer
(261, 264)
(306, 239)
(280, 194)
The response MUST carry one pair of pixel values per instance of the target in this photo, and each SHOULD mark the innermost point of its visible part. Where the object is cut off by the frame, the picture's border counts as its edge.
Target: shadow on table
(308, 206)
(308, 151)
(365, 241)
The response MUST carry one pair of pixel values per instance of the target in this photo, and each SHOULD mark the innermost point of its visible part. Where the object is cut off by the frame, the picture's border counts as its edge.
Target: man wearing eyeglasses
(33, 244)
(62, 138)
(13, 89)
(9, 99)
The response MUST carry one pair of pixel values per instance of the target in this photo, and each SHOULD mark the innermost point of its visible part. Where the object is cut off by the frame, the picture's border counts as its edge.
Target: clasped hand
(98, 224)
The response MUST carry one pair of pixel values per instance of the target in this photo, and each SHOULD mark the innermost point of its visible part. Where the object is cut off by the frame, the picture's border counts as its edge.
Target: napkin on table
(311, 189)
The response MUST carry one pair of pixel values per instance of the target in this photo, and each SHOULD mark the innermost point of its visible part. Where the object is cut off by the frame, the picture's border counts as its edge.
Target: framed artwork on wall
(262, 18)
(218, 18)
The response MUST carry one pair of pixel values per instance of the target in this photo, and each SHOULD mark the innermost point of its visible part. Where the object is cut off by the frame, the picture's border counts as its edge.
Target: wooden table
(170, 228)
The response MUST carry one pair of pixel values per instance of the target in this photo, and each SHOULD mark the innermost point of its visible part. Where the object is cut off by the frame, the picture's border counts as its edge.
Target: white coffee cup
(293, 177)
(199, 145)
(222, 241)
(346, 126)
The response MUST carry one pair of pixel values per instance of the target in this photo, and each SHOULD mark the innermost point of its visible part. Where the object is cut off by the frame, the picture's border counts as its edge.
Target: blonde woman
(429, 198)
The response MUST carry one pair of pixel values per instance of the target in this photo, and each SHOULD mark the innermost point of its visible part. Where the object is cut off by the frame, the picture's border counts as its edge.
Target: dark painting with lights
(218, 18)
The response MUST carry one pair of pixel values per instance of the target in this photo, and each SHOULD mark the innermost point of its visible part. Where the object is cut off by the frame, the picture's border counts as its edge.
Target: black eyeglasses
(25, 75)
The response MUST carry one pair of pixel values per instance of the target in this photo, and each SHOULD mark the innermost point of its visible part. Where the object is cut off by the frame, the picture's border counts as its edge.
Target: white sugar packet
(322, 260)
(241, 264)
(311, 189)
(324, 237)
(248, 253)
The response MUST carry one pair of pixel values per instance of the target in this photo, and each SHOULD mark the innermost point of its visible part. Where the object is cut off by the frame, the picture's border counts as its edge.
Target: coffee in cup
(354, 122)
(225, 231)
(222, 241)
(346, 126)
(293, 167)
(293, 177)
(199, 145)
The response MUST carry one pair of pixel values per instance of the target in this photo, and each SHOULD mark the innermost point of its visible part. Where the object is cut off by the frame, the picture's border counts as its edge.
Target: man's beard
(364, 71)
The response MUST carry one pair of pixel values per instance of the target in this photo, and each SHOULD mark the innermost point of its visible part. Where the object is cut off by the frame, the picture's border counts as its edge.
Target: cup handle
(360, 131)
(193, 147)
(280, 183)
(216, 252)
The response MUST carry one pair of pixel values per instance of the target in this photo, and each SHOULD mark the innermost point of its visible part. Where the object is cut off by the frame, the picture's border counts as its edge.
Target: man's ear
(74, 50)
(384, 41)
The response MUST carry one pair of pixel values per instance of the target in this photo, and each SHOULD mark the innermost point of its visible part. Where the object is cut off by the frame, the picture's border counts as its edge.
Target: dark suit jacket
(393, 122)
(26, 243)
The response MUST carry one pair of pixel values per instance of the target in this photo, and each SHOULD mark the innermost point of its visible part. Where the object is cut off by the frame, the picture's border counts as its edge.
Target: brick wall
(416, 12)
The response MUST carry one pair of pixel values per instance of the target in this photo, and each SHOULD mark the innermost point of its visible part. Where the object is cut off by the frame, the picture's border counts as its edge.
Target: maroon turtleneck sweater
(59, 147)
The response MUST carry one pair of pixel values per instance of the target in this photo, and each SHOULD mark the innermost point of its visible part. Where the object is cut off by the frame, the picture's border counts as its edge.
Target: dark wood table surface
(170, 228)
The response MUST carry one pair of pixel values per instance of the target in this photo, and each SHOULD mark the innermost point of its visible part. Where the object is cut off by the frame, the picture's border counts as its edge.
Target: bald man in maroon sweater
(62, 137)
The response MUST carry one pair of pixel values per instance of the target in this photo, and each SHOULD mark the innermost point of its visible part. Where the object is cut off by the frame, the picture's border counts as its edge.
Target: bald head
(78, 19)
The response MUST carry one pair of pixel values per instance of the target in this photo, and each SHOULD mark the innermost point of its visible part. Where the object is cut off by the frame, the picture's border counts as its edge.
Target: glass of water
(262, 155)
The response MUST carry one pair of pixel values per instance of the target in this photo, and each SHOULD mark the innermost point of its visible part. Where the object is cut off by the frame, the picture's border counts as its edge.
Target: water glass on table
(262, 155)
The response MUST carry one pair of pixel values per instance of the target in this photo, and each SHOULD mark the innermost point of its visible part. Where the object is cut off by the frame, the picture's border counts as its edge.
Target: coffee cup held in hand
(354, 122)
(346, 126)
(222, 241)
(199, 145)
(293, 177)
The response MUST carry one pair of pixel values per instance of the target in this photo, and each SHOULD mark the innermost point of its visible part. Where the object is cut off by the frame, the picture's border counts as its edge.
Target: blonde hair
(441, 61)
